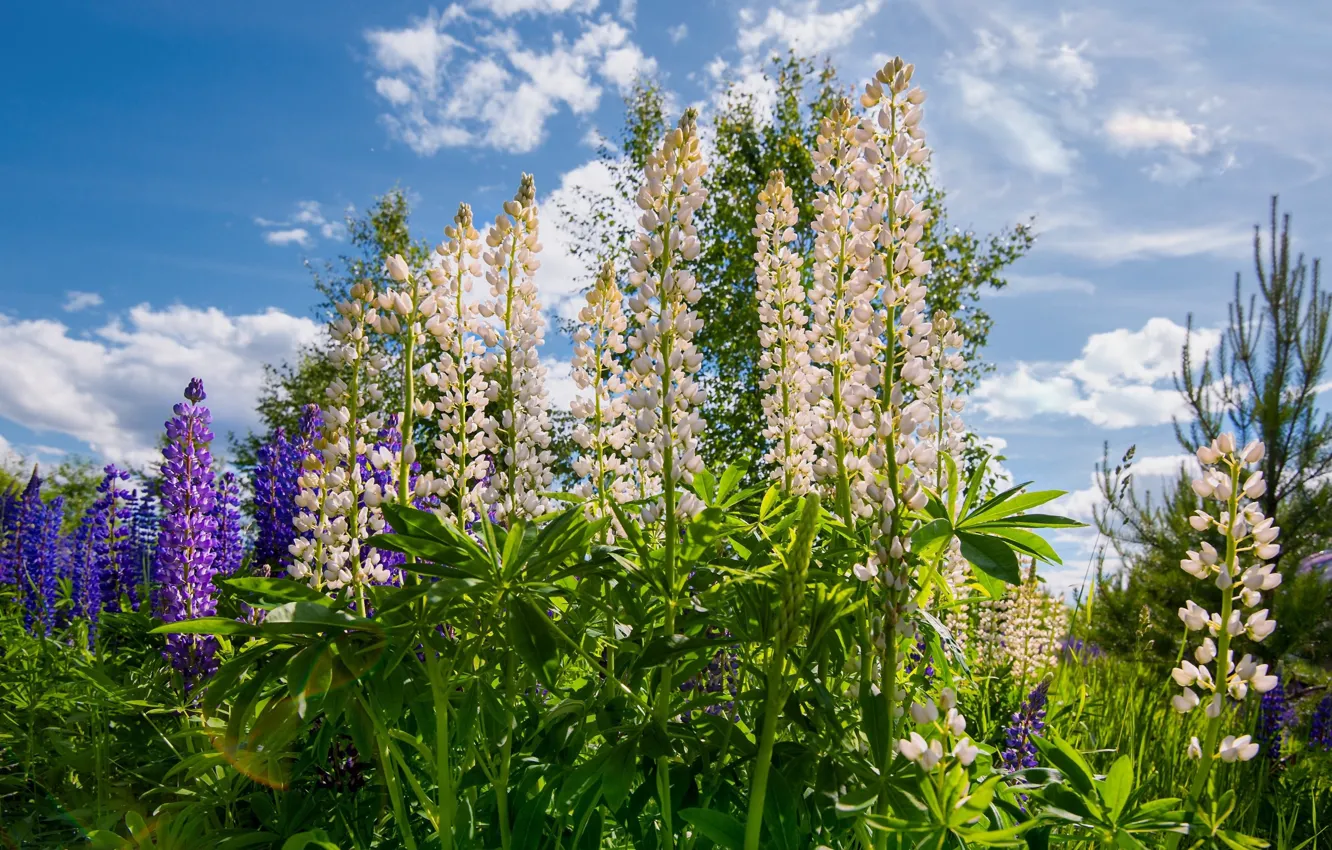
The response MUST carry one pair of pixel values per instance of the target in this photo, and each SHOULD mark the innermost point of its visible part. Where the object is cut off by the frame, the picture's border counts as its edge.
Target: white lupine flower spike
(1240, 571)
(516, 424)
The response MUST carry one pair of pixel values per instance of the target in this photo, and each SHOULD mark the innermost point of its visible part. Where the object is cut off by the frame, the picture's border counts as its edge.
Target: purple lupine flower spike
(112, 546)
(1320, 733)
(48, 558)
(11, 503)
(186, 539)
(272, 525)
(1020, 750)
(228, 544)
(25, 544)
(1275, 717)
(86, 583)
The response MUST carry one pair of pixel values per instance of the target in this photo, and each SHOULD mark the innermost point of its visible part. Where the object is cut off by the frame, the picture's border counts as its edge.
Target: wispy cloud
(1042, 284)
(301, 227)
(76, 301)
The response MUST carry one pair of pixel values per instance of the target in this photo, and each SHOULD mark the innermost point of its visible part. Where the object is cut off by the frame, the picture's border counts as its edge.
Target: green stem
(443, 769)
(758, 788)
(506, 755)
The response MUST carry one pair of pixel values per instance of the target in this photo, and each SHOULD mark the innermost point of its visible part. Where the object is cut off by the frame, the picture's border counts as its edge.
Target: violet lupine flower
(187, 534)
(273, 504)
(111, 546)
(25, 544)
(228, 544)
(10, 502)
(921, 651)
(275, 480)
(1275, 716)
(1020, 750)
(48, 556)
(1320, 733)
(86, 584)
(721, 676)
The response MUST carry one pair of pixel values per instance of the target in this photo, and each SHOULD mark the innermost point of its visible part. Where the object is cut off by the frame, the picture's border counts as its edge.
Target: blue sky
(167, 167)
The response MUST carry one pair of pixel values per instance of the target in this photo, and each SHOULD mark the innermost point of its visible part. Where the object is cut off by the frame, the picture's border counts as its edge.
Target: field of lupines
(855, 653)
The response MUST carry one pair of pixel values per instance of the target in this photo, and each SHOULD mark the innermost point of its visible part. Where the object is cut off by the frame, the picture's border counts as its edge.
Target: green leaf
(991, 555)
(731, 477)
(1070, 762)
(617, 775)
(208, 626)
(705, 485)
(534, 638)
(1118, 786)
(1010, 505)
(312, 618)
(1037, 521)
(1026, 541)
(282, 589)
(531, 823)
(718, 827)
(302, 840)
(930, 539)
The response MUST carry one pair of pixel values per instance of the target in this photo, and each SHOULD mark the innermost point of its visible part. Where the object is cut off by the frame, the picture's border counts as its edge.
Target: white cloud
(562, 275)
(310, 217)
(1122, 380)
(112, 389)
(1142, 131)
(456, 79)
(678, 33)
(76, 301)
(1042, 284)
(509, 8)
(804, 27)
(291, 236)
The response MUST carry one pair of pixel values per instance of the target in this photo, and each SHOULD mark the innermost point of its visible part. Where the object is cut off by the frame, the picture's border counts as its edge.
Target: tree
(1262, 383)
(749, 143)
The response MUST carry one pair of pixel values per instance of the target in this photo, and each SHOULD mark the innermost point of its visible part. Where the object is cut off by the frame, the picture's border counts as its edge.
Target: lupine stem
(506, 755)
(667, 339)
(758, 788)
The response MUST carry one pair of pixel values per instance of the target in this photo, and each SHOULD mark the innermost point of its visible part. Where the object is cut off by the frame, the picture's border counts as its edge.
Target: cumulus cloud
(454, 79)
(1122, 380)
(563, 275)
(678, 33)
(112, 389)
(76, 301)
